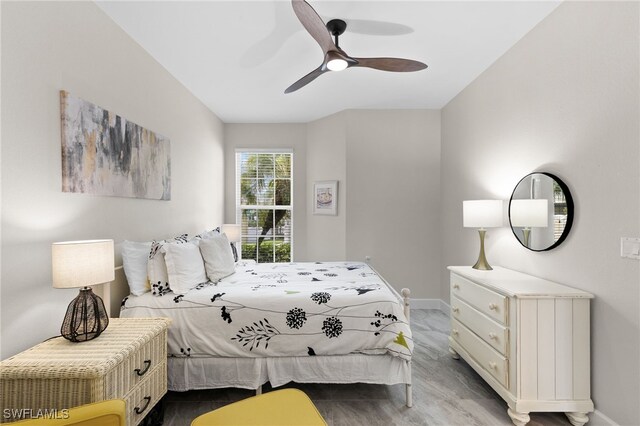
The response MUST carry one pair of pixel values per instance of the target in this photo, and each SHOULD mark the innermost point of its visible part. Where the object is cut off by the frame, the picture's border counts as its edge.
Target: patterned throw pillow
(157, 268)
(205, 235)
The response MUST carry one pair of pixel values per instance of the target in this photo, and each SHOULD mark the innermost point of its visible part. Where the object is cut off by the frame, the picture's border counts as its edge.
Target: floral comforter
(275, 309)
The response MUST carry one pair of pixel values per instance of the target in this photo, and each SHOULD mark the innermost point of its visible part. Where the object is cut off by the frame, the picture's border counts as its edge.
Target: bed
(313, 322)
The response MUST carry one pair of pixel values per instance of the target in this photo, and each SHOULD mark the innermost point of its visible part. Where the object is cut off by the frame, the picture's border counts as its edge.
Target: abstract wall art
(105, 154)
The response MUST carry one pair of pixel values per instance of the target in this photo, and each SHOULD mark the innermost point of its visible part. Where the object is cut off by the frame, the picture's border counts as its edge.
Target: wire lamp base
(86, 317)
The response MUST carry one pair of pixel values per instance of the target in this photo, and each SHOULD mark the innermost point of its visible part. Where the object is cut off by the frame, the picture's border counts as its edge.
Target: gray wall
(387, 166)
(327, 160)
(393, 199)
(565, 99)
(74, 46)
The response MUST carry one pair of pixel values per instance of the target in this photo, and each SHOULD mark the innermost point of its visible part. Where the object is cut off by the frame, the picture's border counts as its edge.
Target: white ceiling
(237, 57)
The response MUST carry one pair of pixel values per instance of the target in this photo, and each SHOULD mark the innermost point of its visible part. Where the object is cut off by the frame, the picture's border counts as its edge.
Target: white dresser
(529, 338)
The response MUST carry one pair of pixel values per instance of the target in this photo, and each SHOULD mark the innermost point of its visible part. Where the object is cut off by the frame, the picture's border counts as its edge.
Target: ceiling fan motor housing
(336, 27)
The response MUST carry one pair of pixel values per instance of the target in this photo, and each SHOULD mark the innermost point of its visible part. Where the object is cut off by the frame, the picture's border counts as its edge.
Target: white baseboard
(598, 418)
(429, 304)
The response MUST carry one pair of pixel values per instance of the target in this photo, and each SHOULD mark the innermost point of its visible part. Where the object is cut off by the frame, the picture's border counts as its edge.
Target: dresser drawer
(488, 330)
(145, 360)
(146, 394)
(134, 368)
(490, 303)
(494, 363)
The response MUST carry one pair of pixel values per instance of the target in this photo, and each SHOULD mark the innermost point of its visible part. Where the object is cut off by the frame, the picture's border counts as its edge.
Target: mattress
(283, 310)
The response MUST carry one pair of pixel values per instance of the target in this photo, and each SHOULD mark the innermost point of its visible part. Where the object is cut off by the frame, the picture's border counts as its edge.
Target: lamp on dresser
(482, 214)
(79, 264)
(232, 231)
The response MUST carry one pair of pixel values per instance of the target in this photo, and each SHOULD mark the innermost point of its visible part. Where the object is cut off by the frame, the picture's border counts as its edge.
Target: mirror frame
(570, 210)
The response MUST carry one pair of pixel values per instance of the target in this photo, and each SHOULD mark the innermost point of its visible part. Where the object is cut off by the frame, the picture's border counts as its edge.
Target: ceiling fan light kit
(337, 64)
(335, 59)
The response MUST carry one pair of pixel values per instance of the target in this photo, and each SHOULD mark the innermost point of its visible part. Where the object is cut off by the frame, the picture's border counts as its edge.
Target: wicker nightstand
(128, 361)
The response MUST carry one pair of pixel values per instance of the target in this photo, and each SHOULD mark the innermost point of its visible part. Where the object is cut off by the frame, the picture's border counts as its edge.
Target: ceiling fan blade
(380, 28)
(313, 24)
(390, 64)
(306, 79)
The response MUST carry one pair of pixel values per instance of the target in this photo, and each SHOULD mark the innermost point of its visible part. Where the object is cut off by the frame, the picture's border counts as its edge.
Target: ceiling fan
(335, 59)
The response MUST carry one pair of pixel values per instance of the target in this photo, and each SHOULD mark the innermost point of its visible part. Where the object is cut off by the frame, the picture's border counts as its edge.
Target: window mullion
(263, 207)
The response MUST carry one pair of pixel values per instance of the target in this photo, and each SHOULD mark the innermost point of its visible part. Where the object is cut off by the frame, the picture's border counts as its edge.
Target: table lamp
(529, 214)
(232, 232)
(79, 264)
(482, 214)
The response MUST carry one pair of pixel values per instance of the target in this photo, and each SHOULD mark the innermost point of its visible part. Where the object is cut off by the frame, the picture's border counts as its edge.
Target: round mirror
(541, 211)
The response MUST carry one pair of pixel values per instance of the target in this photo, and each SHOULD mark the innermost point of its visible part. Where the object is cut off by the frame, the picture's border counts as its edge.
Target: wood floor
(445, 392)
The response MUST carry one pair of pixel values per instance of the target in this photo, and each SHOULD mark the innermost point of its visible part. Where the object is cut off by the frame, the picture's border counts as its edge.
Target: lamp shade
(529, 213)
(82, 263)
(232, 231)
(482, 213)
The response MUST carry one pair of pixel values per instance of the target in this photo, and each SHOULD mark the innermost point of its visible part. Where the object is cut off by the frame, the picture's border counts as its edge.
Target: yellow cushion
(287, 407)
(104, 413)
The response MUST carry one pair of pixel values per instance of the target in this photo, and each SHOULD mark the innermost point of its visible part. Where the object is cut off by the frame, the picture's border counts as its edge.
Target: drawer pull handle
(456, 310)
(493, 365)
(456, 286)
(147, 364)
(454, 332)
(493, 336)
(139, 410)
(493, 306)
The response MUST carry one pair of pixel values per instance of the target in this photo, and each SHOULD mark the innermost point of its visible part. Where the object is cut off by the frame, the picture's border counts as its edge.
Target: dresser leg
(577, 419)
(518, 419)
(453, 353)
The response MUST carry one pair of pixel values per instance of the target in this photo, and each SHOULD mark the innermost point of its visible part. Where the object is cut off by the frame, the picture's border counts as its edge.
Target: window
(263, 204)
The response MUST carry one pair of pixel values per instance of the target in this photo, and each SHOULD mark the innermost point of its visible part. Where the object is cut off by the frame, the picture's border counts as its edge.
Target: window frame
(240, 207)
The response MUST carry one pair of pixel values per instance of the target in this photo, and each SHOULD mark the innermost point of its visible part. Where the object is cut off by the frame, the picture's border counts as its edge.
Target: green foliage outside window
(268, 249)
(265, 206)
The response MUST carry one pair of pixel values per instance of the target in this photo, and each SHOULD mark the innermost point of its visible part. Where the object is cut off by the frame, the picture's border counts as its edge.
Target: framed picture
(106, 154)
(325, 197)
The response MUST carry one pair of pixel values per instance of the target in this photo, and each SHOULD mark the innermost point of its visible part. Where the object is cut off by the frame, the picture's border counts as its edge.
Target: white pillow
(134, 261)
(184, 266)
(156, 267)
(218, 258)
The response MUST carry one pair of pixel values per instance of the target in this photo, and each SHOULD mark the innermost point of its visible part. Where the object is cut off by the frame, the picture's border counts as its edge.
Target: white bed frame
(393, 369)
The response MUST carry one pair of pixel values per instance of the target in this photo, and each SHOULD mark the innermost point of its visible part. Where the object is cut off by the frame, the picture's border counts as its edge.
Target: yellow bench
(287, 407)
(105, 413)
